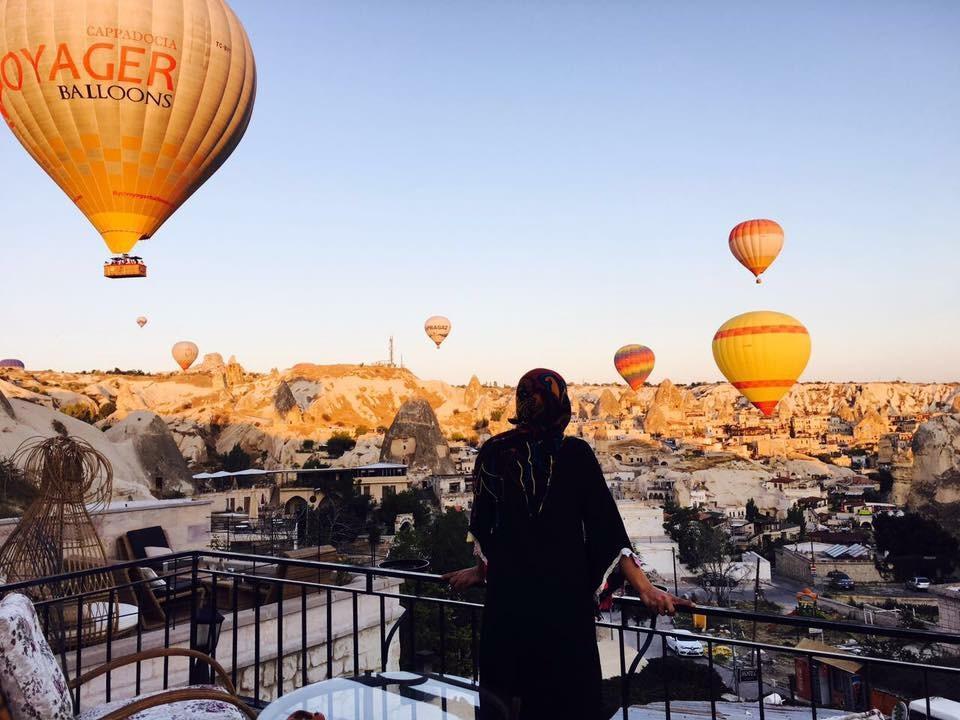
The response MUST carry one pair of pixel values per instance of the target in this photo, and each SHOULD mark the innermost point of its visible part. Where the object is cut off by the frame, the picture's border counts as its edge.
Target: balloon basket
(124, 267)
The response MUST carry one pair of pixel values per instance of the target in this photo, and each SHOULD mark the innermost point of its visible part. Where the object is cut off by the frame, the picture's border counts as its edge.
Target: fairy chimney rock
(415, 439)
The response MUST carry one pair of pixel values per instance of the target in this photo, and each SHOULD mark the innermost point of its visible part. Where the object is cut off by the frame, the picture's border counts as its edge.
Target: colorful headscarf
(543, 405)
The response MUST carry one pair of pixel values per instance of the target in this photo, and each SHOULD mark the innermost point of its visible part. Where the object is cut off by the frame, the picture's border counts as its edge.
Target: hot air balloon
(12, 363)
(128, 105)
(762, 354)
(634, 363)
(141, 321)
(437, 328)
(185, 352)
(756, 244)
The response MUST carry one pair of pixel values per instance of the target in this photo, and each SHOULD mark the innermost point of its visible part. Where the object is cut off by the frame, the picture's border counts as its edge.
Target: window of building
(454, 487)
(246, 504)
(366, 489)
(389, 489)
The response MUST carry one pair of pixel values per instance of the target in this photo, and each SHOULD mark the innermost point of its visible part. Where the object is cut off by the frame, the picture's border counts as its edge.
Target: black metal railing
(287, 623)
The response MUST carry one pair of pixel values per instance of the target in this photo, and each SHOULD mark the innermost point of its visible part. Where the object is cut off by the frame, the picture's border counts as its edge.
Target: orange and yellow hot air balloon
(128, 105)
(634, 363)
(762, 354)
(141, 321)
(185, 352)
(437, 328)
(756, 244)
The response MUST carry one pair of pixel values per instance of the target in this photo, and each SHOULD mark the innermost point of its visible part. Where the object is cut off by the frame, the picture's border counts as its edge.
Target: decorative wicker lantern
(56, 534)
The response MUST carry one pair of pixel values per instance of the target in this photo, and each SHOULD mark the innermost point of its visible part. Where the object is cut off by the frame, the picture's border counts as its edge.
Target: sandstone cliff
(935, 486)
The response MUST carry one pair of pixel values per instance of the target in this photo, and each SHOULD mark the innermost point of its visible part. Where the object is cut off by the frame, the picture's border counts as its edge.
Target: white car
(918, 582)
(684, 647)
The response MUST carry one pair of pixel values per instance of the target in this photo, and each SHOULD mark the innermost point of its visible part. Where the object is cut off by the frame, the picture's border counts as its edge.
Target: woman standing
(548, 537)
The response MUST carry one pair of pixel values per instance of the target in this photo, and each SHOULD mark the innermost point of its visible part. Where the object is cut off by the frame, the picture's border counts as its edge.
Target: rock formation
(471, 396)
(607, 406)
(6, 407)
(935, 487)
(155, 448)
(415, 439)
(870, 427)
(283, 399)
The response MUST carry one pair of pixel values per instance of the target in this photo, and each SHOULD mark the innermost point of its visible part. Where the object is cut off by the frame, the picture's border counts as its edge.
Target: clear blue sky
(558, 178)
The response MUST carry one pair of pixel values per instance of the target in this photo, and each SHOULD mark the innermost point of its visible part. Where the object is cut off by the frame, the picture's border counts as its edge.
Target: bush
(339, 443)
(107, 409)
(481, 424)
(16, 492)
(307, 445)
(236, 460)
(496, 415)
(80, 411)
(360, 430)
(314, 464)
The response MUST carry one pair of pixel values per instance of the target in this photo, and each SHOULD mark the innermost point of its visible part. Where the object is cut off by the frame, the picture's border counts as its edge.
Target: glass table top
(383, 696)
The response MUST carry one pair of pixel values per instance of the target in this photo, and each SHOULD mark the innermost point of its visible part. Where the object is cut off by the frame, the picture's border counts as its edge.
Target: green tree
(400, 503)
(339, 443)
(753, 512)
(236, 460)
(915, 545)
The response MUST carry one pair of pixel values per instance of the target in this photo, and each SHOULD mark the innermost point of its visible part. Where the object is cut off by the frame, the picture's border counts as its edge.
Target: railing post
(624, 675)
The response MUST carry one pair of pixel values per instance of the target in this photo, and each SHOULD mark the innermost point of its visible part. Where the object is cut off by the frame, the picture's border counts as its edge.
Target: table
(385, 696)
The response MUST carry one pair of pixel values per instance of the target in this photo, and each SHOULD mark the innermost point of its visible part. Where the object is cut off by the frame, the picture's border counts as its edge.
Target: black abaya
(549, 531)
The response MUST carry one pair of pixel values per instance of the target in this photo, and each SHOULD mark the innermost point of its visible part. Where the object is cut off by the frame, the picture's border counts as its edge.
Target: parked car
(685, 647)
(841, 581)
(919, 583)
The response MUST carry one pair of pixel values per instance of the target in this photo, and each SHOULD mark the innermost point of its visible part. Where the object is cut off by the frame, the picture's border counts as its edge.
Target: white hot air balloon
(185, 352)
(437, 328)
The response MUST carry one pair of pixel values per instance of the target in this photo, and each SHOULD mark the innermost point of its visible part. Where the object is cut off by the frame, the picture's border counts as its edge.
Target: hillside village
(703, 446)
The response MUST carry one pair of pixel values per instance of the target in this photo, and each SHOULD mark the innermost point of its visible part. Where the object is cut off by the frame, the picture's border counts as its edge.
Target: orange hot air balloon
(756, 244)
(634, 363)
(437, 328)
(129, 105)
(762, 354)
(141, 321)
(185, 352)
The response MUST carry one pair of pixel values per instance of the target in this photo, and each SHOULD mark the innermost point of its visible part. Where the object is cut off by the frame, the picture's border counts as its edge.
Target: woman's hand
(461, 580)
(662, 602)
(655, 599)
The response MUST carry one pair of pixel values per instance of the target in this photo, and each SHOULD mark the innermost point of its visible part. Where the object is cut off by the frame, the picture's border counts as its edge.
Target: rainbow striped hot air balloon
(762, 354)
(634, 363)
(756, 244)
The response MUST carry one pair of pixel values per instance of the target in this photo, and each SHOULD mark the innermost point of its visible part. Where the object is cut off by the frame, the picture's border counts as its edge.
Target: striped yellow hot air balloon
(762, 354)
(756, 244)
(128, 105)
(634, 363)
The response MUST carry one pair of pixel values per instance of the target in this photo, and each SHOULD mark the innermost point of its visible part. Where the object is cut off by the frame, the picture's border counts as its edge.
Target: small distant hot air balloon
(13, 363)
(437, 328)
(128, 105)
(762, 354)
(756, 244)
(634, 363)
(141, 321)
(185, 352)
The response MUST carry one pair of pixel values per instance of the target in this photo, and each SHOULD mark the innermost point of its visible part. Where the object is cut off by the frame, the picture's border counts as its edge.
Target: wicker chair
(33, 685)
